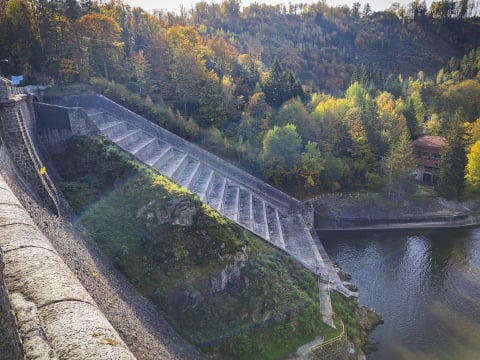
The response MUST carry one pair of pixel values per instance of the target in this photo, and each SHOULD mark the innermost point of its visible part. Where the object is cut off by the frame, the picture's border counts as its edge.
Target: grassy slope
(269, 305)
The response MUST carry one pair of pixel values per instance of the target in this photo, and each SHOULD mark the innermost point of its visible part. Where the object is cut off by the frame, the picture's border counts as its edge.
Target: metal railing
(331, 341)
(7, 90)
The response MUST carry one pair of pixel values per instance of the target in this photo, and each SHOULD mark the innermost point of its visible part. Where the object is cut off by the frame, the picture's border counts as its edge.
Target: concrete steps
(246, 206)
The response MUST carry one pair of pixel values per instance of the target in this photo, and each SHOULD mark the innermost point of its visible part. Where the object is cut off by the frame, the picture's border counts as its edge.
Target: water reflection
(426, 285)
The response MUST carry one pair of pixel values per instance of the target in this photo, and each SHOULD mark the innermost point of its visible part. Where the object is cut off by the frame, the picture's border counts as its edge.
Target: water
(425, 284)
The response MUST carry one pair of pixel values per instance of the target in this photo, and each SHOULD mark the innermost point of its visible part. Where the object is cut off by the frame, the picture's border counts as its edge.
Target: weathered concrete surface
(56, 316)
(10, 345)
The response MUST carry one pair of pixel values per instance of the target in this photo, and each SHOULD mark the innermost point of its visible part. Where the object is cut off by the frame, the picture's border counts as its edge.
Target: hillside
(196, 267)
(341, 86)
(332, 47)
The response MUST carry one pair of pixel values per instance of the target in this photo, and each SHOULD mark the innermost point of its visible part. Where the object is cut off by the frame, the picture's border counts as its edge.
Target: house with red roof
(427, 150)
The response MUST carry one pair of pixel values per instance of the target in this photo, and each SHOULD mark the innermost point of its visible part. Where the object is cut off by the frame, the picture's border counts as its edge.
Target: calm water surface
(425, 284)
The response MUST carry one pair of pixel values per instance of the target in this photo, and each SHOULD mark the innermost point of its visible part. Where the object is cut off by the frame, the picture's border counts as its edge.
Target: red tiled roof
(429, 141)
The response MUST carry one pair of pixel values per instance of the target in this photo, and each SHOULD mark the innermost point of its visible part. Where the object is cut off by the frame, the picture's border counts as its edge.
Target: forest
(309, 97)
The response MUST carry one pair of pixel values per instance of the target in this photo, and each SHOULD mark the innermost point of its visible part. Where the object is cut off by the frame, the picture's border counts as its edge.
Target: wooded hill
(340, 86)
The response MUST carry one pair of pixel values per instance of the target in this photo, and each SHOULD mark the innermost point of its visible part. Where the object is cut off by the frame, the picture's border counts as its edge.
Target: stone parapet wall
(57, 318)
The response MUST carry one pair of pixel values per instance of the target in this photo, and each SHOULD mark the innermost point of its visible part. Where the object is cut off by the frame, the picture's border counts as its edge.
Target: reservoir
(424, 283)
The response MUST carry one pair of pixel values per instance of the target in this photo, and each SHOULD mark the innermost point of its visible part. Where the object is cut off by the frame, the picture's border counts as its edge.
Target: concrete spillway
(265, 211)
(237, 201)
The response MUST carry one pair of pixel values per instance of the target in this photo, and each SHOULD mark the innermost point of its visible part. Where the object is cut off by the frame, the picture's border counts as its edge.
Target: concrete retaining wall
(56, 124)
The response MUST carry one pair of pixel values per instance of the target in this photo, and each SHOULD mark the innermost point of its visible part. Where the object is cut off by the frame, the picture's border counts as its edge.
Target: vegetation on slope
(352, 87)
(222, 288)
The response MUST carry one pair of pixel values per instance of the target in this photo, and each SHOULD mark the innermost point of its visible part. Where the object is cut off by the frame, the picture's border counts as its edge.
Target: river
(425, 284)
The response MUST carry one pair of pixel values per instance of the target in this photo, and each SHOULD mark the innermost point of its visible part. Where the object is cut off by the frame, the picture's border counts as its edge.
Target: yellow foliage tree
(473, 167)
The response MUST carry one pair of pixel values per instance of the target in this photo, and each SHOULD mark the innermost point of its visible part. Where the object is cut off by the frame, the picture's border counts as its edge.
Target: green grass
(267, 309)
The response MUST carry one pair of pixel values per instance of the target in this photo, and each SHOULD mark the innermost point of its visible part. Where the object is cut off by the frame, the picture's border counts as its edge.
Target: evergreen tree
(281, 85)
(399, 164)
(453, 161)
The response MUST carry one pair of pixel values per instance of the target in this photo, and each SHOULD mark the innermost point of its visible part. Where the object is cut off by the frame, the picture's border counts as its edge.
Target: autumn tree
(362, 109)
(392, 123)
(198, 88)
(361, 153)
(98, 44)
(20, 37)
(294, 112)
(330, 114)
(472, 175)
(311, 166)
(140, 74)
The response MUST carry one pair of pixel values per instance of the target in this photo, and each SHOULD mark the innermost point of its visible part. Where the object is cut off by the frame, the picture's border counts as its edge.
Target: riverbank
(376, 211)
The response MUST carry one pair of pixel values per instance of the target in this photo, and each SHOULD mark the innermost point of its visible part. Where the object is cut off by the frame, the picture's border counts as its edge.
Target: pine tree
(400, 164)
(281, 85)
(451, 180)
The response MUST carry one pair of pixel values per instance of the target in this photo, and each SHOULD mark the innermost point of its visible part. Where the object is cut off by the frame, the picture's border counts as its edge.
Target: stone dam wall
(16, 127)
(46, 312)
(55, 316)
(10, 342)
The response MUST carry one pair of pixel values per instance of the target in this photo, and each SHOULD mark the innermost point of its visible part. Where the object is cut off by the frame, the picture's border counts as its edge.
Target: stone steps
(214, 198)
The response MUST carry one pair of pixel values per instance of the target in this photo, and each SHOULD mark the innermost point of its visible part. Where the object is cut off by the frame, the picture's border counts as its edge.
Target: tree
(453, 160)
(311, 165)
(280, 154)
(98, 40)
(356, 9)
(330, 114)
(20, 32)
(294, 112)
(367, 10)
(361, 153)
(392, 122)
(400, 164)
(140, 74)
(472, 175)
(414, 113)
(281, 85)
